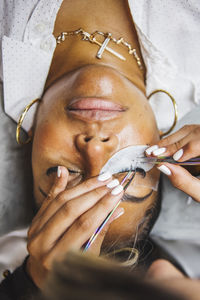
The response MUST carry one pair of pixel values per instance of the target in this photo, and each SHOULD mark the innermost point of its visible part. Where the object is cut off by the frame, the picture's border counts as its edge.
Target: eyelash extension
(137, 170)
(51, 170)
(54, 170)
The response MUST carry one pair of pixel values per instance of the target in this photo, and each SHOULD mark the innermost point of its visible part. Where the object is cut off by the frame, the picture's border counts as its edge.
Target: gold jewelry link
(175, 109)
(21, 119)
(91, 37)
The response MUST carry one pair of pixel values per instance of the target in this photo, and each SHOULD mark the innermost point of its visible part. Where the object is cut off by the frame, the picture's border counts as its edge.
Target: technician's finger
(53, 224)
(176, 136)
(95, 248)
(80, 191)
(176, 149)
(59, 186)
(190, 150)
(85, 225)
(176, 139)
(182, 180)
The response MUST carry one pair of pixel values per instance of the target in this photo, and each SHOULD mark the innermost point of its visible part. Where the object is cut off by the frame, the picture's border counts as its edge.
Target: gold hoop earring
(175, 109)
(21, 119)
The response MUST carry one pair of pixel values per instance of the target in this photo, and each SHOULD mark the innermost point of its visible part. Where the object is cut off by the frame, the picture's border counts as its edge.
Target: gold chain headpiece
(91, 37)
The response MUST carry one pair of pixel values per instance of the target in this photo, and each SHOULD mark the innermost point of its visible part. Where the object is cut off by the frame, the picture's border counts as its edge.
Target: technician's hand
(67, 219)
(182, 145)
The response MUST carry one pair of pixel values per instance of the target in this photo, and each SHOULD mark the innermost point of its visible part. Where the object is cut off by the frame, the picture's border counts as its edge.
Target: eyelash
(54, 170)
(137, 170)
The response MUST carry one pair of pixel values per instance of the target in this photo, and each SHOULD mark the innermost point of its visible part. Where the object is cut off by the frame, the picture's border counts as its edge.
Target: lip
(95, 108)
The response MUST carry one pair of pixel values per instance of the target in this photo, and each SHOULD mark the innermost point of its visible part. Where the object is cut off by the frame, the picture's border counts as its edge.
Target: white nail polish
(120, 214)
(165, 170)
(113, 183)
(159, 151)
(178, 154)
(151, 149)
(117, 190)
(105, 176)
(59, 172)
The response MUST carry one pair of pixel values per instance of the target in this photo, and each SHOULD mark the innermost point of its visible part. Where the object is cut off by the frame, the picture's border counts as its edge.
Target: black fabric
(18, 286)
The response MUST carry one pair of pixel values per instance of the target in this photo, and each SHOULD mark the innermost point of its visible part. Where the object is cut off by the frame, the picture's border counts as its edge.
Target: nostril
(87, 138)
(105, 140)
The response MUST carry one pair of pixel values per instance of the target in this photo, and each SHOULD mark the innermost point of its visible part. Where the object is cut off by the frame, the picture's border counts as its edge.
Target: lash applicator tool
(128, 178)
(125, 160)
(162, 159)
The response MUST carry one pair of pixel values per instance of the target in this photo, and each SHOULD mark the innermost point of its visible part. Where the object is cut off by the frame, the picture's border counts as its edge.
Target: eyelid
(74, 171)
(54, 170)
(128, 198)
(137, 170)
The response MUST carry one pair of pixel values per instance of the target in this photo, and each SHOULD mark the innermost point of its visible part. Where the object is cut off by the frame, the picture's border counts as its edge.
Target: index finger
(58, 186)
(182, 180)
(176, 136)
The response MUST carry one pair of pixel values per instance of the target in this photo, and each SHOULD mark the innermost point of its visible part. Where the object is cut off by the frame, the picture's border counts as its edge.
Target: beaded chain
(91, 37)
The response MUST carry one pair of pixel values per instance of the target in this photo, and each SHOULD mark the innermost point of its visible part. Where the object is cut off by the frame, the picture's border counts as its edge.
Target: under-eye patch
(132, 158)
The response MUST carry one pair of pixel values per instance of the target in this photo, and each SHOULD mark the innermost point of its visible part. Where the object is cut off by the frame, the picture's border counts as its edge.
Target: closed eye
(137, 170)
(54, 170)
(129, 198)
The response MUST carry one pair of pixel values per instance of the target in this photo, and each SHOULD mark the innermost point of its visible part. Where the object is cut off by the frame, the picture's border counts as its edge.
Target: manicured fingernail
(178, 154)
(151, 149)
(159, 151)
(117, 190)
(113, 183)
(105, 176)
(165, 170)
(119, 214)
(59, 172)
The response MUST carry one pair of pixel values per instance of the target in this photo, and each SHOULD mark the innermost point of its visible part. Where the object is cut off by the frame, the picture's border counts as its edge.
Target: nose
(95, 151)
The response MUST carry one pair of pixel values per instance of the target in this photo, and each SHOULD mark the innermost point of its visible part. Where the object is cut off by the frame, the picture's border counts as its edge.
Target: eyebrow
(125, 198)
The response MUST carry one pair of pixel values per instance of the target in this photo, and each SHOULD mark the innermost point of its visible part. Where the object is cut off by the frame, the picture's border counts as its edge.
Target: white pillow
(16, 201)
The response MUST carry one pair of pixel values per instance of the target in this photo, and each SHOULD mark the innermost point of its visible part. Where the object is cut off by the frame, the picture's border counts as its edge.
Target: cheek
(52, 138)
(50, 144)
(139, 127)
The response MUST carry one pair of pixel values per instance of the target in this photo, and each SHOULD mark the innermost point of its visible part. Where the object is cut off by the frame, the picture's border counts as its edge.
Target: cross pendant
(103, 46)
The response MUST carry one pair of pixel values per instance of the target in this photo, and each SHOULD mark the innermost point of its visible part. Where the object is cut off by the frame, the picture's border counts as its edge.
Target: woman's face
(83, 119)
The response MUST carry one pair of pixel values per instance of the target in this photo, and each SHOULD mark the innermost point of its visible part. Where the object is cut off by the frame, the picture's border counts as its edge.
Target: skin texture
(81, 142)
